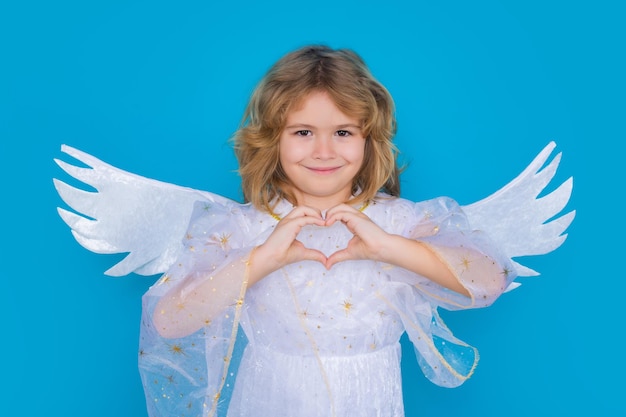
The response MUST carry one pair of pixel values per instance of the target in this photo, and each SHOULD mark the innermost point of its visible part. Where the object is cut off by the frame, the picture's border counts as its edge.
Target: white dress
(320, 342)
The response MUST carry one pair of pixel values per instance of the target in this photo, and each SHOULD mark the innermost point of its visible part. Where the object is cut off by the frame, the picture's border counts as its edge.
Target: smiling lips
(323, 170)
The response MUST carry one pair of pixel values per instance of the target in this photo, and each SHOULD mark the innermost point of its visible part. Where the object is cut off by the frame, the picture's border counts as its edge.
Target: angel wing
(144, 218)
(521, 222)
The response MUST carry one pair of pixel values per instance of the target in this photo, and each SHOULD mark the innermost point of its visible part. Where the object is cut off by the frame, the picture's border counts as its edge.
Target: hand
(282, 248)
(368, 241)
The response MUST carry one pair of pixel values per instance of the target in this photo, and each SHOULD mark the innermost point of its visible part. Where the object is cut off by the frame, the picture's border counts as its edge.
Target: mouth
(323, 170)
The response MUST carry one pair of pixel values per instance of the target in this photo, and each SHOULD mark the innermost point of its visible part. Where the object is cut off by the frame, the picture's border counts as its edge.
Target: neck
(321, 203)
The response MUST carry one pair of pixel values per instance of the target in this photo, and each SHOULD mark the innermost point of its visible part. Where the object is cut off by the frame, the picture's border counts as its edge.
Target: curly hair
(344, 76)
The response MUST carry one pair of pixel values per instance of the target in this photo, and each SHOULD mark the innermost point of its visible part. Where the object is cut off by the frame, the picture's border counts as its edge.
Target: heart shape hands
(283, 248)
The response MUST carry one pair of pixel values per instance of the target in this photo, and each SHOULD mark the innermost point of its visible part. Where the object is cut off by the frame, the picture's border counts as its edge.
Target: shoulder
(396, 214)
(401, 206)
(216, 209)
(221, 213)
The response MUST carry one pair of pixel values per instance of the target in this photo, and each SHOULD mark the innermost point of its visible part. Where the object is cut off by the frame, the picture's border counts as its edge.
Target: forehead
(318, 105)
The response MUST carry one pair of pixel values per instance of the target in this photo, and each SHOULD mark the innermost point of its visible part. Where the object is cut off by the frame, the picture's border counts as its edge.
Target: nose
(323, 147)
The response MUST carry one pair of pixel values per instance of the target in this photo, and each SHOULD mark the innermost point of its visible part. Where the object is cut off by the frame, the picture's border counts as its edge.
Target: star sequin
(164, 279)
(347, 306)
(465, 262)
(222, 239)
(177, 349)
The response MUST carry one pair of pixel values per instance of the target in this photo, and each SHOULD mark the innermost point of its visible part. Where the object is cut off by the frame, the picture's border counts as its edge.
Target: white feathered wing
(127, 214)
(147, 218)
(518, 220)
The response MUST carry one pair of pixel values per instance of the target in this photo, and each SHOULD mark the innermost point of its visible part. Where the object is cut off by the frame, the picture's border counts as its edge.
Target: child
(324, 268)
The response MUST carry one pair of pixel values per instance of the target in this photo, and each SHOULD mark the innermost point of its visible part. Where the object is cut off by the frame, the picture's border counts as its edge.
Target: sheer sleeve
(470, 254)
(473, 259)
(183, 374)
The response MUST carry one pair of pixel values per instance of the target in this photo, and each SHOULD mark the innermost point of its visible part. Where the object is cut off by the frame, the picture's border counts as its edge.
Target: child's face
(321, 151)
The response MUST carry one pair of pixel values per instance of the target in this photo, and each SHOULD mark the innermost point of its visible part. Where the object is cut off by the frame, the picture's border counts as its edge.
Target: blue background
(156, 88)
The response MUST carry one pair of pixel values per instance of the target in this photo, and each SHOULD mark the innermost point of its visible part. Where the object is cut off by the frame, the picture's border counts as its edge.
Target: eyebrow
(307, 126)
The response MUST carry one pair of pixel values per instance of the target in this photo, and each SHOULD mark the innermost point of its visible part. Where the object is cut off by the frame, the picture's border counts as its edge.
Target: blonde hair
(343, 75)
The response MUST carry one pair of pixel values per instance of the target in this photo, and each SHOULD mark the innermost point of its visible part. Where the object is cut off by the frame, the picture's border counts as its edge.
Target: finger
(314, 255)
(296, 221)
(300, 222)
(342, 216)
(302, 253)
(340, 208)
(300, 211)
(339, 256)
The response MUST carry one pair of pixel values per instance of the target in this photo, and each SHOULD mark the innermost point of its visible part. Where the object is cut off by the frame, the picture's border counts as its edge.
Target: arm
(201, 296)
(205, 290)
(448, 258)
(415, 256)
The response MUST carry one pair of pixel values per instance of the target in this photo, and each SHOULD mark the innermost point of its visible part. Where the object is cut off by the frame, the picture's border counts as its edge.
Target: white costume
(319, 342)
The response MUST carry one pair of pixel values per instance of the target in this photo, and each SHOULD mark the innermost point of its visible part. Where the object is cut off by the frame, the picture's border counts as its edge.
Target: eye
(343, 133)
(303, 132)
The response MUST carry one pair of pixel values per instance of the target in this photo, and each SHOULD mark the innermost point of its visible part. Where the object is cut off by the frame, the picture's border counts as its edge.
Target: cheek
(285, 154)
(356, 152)
(291, 152)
